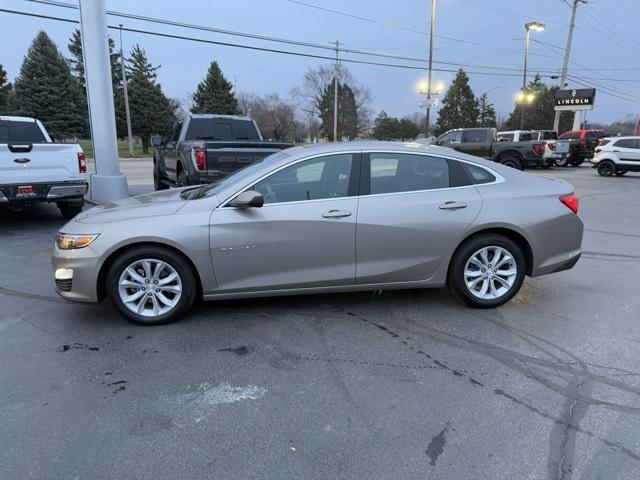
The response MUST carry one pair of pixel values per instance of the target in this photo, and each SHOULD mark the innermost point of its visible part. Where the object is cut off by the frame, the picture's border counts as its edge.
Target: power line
(262, 49)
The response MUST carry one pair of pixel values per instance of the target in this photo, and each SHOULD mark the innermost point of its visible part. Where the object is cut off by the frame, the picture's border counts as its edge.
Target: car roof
(8, 118)
(213, 115)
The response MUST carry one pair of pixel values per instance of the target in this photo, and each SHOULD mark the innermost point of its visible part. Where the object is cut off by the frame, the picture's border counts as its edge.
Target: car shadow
(39, 215)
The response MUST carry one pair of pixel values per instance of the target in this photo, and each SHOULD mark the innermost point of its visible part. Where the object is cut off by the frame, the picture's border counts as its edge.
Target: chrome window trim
(498, 178)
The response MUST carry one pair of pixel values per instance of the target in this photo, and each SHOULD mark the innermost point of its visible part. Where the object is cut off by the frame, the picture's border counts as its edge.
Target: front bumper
(76, 273)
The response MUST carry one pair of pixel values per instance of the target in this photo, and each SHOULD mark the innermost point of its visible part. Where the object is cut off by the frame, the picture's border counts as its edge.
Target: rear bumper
(44, 192)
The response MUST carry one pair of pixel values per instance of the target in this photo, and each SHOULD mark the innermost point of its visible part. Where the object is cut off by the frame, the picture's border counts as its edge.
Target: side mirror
(250, 198)
(156, 141)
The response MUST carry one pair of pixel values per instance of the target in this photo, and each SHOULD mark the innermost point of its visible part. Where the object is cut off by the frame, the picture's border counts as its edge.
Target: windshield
(226, 182)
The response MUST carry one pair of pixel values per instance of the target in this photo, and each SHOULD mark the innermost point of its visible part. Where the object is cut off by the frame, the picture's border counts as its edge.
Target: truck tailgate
(41, 163)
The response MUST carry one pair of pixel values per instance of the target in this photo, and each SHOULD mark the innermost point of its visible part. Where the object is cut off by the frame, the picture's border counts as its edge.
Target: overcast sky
(478, 32)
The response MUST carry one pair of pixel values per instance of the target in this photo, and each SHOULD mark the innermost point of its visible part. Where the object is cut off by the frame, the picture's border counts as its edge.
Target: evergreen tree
(390, 128)
(45, 89)
(77, 68)
(408, 130)
(348, 122)
(5, 91)
(486, 112)
(214, 94)
(138, 63)
(151, 111)
(459, 105)
(539, 114)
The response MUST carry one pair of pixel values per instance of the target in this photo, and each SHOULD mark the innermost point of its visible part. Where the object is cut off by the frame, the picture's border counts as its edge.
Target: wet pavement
(409, 384)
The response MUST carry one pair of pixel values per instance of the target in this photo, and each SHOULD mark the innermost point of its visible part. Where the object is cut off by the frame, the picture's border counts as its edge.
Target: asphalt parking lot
(406, 385)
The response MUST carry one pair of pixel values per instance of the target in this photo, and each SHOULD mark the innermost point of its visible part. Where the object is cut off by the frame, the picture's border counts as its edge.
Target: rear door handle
(336, 214)
(452, 205)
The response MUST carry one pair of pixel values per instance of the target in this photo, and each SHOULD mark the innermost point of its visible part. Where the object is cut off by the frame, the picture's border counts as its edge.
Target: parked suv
(617, 156)
(582, 144)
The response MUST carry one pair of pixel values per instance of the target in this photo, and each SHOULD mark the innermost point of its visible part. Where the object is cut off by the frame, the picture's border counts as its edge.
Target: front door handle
(452, 205)
(336, 214)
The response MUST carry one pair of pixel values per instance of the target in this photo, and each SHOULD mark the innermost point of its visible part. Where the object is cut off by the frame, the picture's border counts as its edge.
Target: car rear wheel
(619, 173)
(606, 169)
(151, 285)
(511, 161)
(487, 271)
(183, 180)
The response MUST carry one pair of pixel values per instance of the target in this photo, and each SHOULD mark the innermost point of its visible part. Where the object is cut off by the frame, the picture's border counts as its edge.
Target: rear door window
(625, 143)
(474, 136)
(400, 172)
(505, 137)
(217, 129)
(525, 137)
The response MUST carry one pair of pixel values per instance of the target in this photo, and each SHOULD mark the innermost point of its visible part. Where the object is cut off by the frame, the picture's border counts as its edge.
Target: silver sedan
(323, 218)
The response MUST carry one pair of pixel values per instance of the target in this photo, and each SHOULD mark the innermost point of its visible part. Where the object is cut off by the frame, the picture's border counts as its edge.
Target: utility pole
(431, 34)
(524, 76)
(108, 183)
(335, 94)
(567, 53)
(126, 96)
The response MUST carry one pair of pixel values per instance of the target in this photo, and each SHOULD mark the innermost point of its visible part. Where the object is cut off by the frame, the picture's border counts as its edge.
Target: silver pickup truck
(34, 169)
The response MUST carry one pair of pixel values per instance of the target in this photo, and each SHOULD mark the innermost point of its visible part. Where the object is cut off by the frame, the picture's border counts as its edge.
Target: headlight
(66, 241)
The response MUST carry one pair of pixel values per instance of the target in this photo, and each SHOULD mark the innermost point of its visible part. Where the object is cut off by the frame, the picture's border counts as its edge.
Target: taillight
(552, 146)
(538, 148)
(583, 144)
(200, 157)
(82, 163)
(572, 202)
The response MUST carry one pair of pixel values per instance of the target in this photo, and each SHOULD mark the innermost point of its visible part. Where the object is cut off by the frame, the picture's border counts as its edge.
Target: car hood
(155, 204)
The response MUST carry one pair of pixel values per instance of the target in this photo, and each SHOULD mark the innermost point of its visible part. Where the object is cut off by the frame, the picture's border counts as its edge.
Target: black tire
(619, 173)
(158, 183)
(70, 210)
(183, 179)
(511, 161)
(468, 249)
(578, 162)
(175, 261)
(606, 168)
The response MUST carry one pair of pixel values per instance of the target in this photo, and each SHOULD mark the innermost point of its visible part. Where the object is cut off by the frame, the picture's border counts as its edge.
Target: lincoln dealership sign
(576, 99)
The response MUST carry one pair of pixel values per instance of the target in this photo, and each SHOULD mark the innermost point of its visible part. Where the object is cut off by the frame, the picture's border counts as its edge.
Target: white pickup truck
(34, 169)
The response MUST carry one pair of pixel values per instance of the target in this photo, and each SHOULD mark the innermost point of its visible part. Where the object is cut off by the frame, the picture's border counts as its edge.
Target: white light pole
(537, 27)
(108, 183)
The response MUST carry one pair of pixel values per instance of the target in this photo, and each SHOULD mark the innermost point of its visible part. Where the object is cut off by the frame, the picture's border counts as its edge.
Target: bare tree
(275, 117)
(315, 82)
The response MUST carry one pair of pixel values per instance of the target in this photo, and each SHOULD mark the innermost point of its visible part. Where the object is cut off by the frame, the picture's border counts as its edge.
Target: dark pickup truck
(483, 142)
(205, 148)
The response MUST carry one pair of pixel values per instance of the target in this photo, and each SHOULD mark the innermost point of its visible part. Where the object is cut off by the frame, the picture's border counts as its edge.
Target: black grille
(64, 285)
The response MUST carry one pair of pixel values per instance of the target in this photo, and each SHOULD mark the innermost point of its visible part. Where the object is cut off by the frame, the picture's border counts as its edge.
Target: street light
(536, 27)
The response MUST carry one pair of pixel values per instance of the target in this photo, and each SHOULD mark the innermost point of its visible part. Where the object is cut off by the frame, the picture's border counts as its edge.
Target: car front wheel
(487, 271)
(151, 285)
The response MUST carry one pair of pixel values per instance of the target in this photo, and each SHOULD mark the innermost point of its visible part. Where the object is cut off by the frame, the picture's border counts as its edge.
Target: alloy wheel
(150, 287)
(490, 273)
